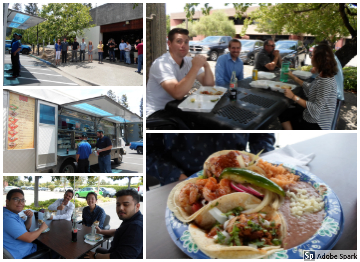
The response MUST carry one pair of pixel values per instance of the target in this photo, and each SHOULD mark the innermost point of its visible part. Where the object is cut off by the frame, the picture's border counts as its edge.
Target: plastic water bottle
(284, 69)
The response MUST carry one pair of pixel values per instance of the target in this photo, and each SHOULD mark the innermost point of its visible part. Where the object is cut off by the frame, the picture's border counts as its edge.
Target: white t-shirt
(164, 68)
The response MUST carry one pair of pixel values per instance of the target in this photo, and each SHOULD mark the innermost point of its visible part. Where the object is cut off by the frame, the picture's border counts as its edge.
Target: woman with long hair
(317, 110)
(57, 52)
(90, 51)
(101, 51)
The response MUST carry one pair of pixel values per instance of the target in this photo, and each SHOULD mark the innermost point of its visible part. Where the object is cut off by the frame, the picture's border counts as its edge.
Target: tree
(103, 182)
(206, 9)
(17, 6)
(11, 180)
(111, 94)
(51, 187)
(32, 9)
(88, 5)
(141, 107)
(215, 24)
(115, 178)
(92, 180)
(124, 101)
(168, 24)
(191, 27)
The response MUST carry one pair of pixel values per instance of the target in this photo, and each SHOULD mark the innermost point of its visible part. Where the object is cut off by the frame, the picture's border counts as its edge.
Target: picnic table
(253, 109)
(334, 163)
(58, 238)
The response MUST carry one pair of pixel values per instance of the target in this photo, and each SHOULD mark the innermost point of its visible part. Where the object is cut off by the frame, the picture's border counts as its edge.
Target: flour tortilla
(208, 167)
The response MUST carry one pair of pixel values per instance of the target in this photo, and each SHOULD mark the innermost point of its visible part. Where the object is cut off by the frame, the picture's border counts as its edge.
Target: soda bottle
(232, 87)
(74, 235)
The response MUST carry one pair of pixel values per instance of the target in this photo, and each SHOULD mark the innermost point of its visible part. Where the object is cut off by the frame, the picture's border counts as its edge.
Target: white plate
(46, 230)
(260, 84)
(201, 104)
(276, 86)
(211, 89)
(266, 75)
(302, 74)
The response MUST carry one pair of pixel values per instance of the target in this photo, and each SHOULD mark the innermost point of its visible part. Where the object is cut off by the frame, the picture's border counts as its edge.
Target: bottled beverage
(232, 87)
(67, 151)
(255, 75)
(284, 69)
(74, 235)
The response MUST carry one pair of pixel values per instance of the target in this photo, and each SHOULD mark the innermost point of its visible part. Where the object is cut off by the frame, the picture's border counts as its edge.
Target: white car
(68, 187)
(8, 188)
(58, 189)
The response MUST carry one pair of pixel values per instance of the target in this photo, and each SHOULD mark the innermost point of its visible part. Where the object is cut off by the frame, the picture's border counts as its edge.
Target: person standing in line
(15, 49)
(82, 155)
(75, 47)
(136, 51)
(12, 59)
(122, 50)
(57, 52)
(127, 53)
(82, 49)
(104, 145)
(64, 49)
(19, 39)
(100, 51)
(111, 46)
(90, 50)
(139, 47)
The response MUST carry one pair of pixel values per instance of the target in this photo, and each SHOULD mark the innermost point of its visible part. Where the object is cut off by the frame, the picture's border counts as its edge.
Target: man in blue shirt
(122, 50)
(104, 145)
(15, 50)
(228, 63)
(17, 238)
(82, 155)
(128, 238)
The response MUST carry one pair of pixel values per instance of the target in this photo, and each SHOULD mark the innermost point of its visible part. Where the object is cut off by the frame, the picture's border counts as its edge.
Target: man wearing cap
(15, 49)
(104, 145)
(82, 155)
(12, 41)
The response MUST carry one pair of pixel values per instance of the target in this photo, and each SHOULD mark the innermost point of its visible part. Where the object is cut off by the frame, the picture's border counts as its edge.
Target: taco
(224, 231)
(216, 162)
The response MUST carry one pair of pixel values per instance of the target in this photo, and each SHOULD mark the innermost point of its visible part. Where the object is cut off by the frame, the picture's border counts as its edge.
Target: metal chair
(35, 255)
(336, 115)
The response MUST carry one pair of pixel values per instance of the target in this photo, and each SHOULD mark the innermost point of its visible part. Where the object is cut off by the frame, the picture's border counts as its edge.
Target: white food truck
(42, 128)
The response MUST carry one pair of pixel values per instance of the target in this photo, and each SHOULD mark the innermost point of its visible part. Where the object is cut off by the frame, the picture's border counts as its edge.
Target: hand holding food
(28, 213)
(43, 226)
(98, 230)
(288, 93)
(198, 61)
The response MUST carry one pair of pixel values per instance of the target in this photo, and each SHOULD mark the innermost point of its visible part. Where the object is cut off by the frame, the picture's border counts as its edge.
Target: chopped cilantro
(276, 242)
(236, 211)
(221, 238)
(272, 224)
(235, 235)
(258, 243)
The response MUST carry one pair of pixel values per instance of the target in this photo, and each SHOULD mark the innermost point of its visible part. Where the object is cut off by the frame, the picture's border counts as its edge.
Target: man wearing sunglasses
(268, 59)
(17, 238)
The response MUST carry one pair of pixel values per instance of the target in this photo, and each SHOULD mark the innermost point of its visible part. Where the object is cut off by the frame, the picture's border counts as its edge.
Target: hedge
(117, 188)
(45, 204)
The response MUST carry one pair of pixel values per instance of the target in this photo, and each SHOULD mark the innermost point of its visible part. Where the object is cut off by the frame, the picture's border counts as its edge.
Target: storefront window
(47, 114)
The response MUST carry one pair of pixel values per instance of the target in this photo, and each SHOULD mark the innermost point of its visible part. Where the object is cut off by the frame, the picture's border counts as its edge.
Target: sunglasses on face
(17, 200)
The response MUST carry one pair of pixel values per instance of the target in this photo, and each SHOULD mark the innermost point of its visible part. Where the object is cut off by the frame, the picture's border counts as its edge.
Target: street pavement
(36, 73)
(132, 163)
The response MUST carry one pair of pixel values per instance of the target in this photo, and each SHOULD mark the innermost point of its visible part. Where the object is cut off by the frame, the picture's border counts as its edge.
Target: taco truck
(42, 128)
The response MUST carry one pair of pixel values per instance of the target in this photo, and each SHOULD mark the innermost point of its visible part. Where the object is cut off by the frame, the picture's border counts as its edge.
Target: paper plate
(324, 239)
(95, 238)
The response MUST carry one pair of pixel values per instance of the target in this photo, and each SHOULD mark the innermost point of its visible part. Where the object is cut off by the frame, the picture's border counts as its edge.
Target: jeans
(74, 54)
(100, 56)
(64, 56)
(112, 54)
(127, 56)
(82, 52)
(105, 164)
(83, 166)
(122, 55)
(140, 59)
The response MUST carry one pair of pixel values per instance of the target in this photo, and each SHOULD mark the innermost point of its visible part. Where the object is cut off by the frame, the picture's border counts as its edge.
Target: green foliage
(42, 205)
(124, 101)
(215, 24)
(189, 10)
(167, 24)
(191, 27)
(206, 9)
(117, 188)
(350, 78)
(103, 199)
(12, 180)
(103, 182)
(92, 181)
(51, 187)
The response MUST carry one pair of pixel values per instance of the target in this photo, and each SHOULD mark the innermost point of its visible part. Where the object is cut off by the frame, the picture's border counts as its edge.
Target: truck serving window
(47, 114)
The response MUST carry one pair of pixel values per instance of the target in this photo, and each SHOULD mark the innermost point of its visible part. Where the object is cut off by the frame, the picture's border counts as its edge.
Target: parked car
(108, 192)
(42, 189)
(138, 146)
(311, 50)
(292, 51)
(25, 49)
(249, 50)
(24, 188)
(8, 188)
(140, 191)
(30, 188)
(57, 189)
(83, 192)
(69, 188)
(211, 47)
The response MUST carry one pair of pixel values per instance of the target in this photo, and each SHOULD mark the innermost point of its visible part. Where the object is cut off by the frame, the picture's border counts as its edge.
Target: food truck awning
(104, 107)
(19, 20)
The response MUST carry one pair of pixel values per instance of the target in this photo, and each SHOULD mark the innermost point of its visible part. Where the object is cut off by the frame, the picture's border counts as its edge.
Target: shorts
(57, 54)
(135, 54)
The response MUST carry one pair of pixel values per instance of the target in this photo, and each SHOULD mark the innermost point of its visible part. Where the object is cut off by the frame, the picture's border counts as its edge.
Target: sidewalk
(106, 74)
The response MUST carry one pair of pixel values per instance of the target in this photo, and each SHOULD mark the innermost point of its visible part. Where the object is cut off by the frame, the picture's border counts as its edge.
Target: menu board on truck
(21, 122)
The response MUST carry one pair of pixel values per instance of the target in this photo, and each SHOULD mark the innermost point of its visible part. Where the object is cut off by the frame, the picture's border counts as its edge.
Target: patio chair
(107, 227)
(337, 114)
(35, 255)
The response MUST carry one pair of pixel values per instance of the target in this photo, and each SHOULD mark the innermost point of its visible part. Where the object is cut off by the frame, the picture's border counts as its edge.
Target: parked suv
(108, 192)
(292, 51)
(211, 47)
(249, 50)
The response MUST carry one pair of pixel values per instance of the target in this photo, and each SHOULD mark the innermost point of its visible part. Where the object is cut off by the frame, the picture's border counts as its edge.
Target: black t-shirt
(262, 59)
(102, 143)
(111, 46)
(75, 45)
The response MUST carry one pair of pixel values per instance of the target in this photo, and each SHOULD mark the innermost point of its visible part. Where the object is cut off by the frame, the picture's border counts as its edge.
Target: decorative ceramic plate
(95, 238)
(324, 239)
(46, 230)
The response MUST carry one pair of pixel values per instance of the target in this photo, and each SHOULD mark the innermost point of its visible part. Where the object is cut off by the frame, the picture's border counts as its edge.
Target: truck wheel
(139, 150)
(25, 51)
(213, 56)
(68, 167)
(118, 160)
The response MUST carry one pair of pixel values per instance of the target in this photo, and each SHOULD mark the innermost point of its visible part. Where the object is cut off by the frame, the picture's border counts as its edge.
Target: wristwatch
(297, 98)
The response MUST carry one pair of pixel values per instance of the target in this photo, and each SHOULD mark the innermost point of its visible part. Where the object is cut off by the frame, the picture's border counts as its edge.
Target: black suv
(292, 51)
(211, 47)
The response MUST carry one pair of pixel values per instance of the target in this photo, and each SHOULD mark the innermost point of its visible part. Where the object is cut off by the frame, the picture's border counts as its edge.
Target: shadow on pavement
(25, 76)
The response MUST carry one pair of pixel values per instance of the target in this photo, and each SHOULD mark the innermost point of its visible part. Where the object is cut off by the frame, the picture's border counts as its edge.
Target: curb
(47, 62)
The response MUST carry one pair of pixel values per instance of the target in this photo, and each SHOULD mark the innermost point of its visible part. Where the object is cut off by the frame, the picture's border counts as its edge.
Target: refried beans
(300, 229)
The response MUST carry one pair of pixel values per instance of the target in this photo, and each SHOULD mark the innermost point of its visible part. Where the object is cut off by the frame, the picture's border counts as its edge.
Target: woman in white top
(127, 53)
(318, 109)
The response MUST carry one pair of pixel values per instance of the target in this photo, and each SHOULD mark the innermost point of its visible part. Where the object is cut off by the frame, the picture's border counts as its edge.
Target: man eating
(268, 59)
(128, 238)
(173, 74)
(63, 206)
(226, 64)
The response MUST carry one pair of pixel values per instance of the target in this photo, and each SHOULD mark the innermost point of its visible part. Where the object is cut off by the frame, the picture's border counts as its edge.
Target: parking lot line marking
(42, 74)
(35, 67)
(133, 163)
(73, 84)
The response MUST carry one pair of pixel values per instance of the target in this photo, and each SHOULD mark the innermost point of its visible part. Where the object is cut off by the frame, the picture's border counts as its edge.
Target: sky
(123, 182)
(133, 94)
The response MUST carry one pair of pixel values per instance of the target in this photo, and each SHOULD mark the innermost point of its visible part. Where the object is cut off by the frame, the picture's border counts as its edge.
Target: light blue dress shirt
(224, 68)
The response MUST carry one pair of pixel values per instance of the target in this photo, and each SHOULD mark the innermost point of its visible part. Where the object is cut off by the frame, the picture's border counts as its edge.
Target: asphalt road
(36, 73)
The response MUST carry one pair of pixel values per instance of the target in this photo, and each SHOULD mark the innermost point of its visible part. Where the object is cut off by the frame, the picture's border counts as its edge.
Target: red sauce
(218, 164)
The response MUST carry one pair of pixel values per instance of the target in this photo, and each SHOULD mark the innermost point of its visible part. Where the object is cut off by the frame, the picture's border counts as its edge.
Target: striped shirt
(321, 103)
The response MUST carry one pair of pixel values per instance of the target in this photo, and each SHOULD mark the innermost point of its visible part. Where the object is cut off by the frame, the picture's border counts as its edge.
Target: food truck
(42, 129)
